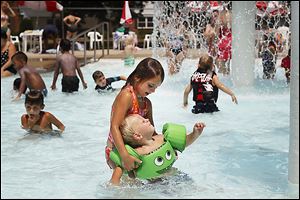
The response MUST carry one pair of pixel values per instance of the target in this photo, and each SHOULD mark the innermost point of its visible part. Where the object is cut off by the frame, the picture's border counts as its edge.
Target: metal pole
(108, 38)
(293, 173)
(84, 51)
(94, 44)
(62, 25)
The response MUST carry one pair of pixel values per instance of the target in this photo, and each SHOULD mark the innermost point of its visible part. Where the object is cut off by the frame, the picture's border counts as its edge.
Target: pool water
(242, 153)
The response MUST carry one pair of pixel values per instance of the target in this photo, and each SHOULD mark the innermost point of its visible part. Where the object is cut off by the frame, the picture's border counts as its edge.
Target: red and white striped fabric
(270, 7)
(50, 6)
(126, 14)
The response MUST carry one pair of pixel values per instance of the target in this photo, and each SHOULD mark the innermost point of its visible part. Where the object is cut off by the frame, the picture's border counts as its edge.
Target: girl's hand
(130, 162)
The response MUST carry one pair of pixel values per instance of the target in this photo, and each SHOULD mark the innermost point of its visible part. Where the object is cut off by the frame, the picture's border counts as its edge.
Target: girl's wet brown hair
(148, 68)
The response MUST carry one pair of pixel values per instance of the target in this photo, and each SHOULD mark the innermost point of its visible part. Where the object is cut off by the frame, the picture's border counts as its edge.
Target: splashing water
(243, 151)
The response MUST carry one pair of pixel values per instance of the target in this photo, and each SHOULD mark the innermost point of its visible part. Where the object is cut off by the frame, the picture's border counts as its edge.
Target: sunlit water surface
(242, 153)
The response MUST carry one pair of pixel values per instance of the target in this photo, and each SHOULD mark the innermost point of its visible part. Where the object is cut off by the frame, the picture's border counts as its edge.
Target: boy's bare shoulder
(47, 114)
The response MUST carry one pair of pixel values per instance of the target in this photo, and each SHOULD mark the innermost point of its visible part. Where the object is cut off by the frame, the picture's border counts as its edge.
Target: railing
(102, 27)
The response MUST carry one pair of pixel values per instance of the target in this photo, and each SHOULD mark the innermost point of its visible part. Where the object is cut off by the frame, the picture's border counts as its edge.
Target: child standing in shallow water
(132, 99)
(129, 51)
(36, 119)
(69, 65)
(205, 83)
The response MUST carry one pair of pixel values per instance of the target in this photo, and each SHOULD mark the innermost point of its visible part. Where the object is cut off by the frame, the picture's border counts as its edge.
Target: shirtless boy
(69, 65)
(29, 75)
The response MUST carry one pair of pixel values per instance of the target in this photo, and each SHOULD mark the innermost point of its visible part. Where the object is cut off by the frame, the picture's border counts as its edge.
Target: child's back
(33, 79)
(68, 63)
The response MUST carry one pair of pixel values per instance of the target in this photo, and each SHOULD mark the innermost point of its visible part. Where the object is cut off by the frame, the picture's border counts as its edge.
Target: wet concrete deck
(46, 61)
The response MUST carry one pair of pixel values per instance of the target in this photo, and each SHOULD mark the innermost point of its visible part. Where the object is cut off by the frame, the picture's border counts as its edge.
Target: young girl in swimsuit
(5, 17)
(132, 99)
(37, 120)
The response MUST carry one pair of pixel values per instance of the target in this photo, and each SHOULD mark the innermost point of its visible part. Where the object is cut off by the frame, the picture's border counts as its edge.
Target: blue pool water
(242, 153)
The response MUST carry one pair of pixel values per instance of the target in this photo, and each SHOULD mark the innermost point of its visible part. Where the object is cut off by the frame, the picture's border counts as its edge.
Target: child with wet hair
(129, 51)
(132, 99)
(30, 77)
(205, 85)
(16, 85)
(104, 84)
(138, 132)
(35, 119)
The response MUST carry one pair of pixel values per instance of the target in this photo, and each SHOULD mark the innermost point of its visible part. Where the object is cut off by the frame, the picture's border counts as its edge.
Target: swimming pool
(242, 153)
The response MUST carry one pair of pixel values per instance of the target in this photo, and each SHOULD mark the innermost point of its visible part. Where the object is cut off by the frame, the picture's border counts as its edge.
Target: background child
(16, 85)
(69, 65)
(36, 119)
(138, 132)
(104, 84)
(286, 64)
(269, 58)
(129, 51)
(203, 82)
(147, 76)
(29, 75)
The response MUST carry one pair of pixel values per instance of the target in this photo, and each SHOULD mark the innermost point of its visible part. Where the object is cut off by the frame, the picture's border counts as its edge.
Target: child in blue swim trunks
(104, 84)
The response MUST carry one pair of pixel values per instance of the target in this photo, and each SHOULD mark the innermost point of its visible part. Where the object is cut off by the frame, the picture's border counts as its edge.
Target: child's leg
(116, 176)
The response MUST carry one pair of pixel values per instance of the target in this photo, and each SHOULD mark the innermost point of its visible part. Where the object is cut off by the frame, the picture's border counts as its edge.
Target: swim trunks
(70, 84)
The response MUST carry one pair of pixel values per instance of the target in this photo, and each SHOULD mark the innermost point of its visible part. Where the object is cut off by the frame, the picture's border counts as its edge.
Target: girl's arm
(222, 87)
(51, 119)
(120, 107)
(12, 13)
(186, 94)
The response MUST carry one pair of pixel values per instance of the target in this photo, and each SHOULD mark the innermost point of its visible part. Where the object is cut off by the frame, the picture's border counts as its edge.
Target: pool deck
(46, 61)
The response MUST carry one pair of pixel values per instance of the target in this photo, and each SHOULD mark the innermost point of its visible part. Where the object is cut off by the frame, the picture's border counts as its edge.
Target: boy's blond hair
(129, 40)
(127, 132)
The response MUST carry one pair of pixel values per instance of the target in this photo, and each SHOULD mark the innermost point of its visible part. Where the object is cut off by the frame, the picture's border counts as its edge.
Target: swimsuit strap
(135, 103)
